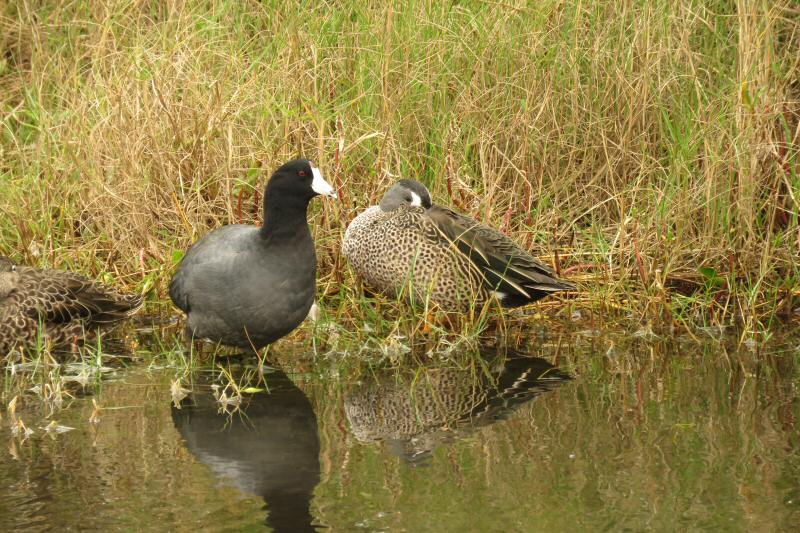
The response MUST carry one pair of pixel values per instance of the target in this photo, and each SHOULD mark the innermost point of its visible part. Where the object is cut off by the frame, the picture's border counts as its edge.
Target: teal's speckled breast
(401, 252)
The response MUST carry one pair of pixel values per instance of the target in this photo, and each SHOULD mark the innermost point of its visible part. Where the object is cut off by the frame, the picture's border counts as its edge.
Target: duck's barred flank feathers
(66, 305)
(431, 252)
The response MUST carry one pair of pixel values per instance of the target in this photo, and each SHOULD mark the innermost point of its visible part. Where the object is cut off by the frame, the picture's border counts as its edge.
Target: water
(585, 431)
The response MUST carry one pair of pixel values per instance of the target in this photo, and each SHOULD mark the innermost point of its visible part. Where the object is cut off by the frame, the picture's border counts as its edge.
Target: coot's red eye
(301, 173)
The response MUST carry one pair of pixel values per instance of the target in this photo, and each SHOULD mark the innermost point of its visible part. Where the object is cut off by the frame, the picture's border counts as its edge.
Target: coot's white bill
(320, 186)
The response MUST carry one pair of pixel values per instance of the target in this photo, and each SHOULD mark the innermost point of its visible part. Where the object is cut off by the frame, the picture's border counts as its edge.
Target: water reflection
(655, 435)
(270, 448)
(415, 410)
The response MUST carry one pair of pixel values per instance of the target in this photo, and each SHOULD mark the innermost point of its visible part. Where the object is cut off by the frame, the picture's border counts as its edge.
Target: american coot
(246, 286)
(454, 260)
(67, 305)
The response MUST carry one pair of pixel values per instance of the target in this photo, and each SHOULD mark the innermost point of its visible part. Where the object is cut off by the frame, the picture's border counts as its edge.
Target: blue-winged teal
(246, 286)
(454, 260)
(67, 305)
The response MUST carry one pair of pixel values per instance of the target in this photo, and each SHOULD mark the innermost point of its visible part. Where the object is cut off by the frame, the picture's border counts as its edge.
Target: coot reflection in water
(270, 449)
(415, 410)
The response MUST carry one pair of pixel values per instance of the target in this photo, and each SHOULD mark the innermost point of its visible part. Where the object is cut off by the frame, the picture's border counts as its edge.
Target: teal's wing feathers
(506, 267)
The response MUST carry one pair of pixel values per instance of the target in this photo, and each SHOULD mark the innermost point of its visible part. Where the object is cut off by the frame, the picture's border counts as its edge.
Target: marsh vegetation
(647, 148)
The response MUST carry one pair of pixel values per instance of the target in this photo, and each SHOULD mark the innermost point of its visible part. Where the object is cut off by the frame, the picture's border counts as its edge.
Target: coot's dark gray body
(241, 290)
(246, 286)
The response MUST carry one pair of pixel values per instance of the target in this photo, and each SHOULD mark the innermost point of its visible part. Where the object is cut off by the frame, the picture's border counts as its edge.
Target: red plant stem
(639, 262)
(507, 219)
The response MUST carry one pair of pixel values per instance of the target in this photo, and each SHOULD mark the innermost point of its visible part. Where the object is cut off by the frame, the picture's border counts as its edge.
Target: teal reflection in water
(415, 410)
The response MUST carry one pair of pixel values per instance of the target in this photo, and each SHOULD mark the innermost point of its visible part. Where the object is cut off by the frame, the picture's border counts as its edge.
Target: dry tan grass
(630, 143)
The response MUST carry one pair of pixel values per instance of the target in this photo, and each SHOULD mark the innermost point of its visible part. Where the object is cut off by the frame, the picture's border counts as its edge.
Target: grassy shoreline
(648, 150)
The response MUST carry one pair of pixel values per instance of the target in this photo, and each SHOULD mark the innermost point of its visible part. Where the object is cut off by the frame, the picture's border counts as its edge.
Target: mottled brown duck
(409, 246)
(66, 305)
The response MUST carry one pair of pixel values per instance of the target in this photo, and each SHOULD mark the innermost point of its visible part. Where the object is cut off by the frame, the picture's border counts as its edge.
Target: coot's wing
(180, 282)
(218, 247)
(177, 288)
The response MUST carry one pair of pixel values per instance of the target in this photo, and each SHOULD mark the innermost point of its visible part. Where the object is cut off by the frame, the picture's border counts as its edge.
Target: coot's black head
(299, 178)
(406, 192)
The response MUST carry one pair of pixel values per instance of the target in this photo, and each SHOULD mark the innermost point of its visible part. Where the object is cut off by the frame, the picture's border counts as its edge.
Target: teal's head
(406, 192)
